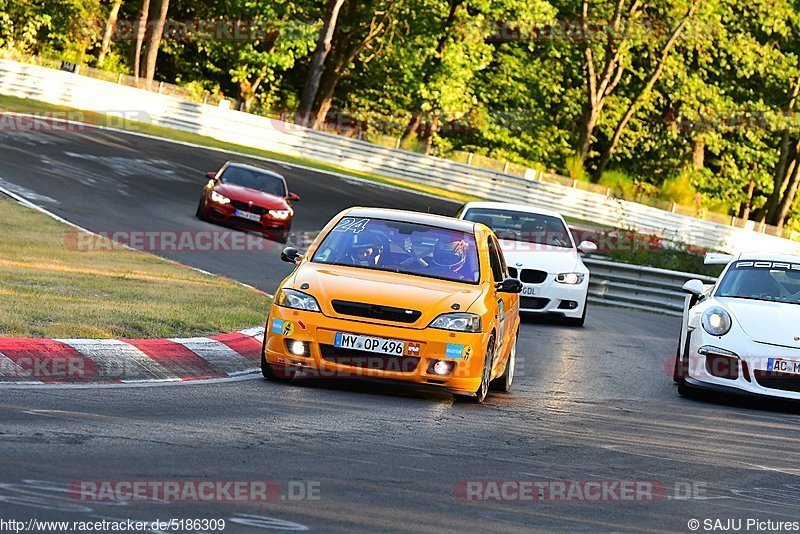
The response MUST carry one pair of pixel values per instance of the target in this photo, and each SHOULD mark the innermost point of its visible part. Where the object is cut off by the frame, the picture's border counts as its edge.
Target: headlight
(289, 298)
(570, 278)
(459, 322)
(279, 214)
(716, 321)
(219, 199)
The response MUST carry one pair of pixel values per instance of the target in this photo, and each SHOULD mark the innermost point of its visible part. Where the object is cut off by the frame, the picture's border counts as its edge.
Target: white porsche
(541, 253)
(742, 334)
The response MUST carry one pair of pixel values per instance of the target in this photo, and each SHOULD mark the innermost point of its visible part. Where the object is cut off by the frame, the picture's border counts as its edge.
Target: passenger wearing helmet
(366, 249)
(449, 255)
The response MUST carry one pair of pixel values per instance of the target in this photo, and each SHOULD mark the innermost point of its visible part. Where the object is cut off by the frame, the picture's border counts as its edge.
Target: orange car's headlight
(458, 322)
(296, 300)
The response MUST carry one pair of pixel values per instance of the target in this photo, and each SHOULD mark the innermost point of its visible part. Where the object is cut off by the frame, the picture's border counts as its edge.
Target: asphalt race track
(593, 404)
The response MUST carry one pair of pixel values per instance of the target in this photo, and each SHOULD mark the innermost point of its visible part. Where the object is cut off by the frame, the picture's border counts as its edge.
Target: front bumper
(225, 214)
(551, 297)
(323, 360)
(743, 365)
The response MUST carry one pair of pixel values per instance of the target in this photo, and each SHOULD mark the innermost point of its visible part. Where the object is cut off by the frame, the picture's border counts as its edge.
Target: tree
(154, 42)
(140, 31)
(111, 23)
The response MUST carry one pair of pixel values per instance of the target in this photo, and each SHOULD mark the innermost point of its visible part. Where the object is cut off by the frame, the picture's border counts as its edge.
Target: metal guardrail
(641, 288)
(68, 89)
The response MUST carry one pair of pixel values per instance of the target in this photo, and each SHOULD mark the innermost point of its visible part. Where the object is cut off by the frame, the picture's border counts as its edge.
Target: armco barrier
(642, 288)
(68, 89)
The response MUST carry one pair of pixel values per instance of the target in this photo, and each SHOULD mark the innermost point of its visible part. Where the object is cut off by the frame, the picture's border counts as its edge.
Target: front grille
(373, 311)
(246, 224)
(369, 360)
(777, 380)
(244, 206)
(533, 303)
(531, 276)
(512, 272)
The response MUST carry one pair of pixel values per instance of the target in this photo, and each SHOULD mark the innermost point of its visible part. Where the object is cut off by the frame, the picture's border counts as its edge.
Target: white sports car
(541, 253)
(742, 334)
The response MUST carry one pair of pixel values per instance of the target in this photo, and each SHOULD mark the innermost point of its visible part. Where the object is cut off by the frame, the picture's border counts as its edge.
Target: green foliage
(576, 170)
(620, 184)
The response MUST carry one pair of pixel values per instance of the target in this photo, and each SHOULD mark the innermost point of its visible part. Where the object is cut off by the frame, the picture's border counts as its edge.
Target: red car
(248, 198)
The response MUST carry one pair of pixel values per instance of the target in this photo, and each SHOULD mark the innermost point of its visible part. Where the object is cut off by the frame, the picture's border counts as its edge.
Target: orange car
(397, 295)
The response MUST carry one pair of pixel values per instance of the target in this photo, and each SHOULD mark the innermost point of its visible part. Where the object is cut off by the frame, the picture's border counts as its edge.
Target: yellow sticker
(465, 354)
(288, 328)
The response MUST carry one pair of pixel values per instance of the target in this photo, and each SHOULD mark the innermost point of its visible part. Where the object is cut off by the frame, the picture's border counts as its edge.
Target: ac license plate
(791, 367)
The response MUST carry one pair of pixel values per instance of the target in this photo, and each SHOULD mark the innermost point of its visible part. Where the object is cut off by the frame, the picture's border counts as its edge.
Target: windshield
(523, 227)
(762, 280)
(402, 248)
(253, 179)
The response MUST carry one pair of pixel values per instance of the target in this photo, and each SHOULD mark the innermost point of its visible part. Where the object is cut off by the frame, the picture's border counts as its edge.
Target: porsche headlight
(716, 321)
(458, 322)
(280, 214)
(219, 199)
(296, 300)
(570, 278)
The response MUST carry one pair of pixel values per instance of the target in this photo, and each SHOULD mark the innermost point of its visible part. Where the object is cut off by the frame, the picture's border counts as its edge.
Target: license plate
(378, 345)
(528, 291)
(783, 366)
(247, 215)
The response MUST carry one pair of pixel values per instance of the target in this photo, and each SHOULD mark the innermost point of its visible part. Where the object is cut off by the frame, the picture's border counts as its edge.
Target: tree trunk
(781, 171)
(699, 152)
(586, 129)
(317, 66)
(109, 32)
(788, 197)
(645, 91)
(141, 30)
(155, 42)
(412, 127)
(750, 190)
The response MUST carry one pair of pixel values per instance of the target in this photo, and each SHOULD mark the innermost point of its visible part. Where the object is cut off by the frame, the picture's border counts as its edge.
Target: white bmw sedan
(541, 253)
(742, 334)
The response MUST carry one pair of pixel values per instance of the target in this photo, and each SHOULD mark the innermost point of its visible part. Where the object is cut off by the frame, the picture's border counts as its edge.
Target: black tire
(480, 395)
(503, 382)
(677, 372)
(200, 209)
(282, 237)
(274, 373)
(580, 321)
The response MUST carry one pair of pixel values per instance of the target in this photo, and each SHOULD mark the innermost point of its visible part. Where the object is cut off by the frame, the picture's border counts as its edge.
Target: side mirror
(291, 255)
(587, 247)
(211, 175)
(510, 285)
(694, 287)
(293, 197)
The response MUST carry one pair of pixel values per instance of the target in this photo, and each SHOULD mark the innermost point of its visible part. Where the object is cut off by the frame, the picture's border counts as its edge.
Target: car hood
(553, 260)
(431, 297)
(776, 323)
(258, 198)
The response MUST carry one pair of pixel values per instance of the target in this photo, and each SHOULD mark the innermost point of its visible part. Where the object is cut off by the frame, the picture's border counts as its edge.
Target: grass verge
(48, 289)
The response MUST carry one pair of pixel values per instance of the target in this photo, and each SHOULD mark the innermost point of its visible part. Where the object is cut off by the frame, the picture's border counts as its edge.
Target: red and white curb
(32, 362)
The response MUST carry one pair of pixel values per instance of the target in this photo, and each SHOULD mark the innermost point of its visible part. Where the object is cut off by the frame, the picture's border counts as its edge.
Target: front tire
(483, 389)
(503, 383)
(201, 208)
(274, 373)
(580, 321)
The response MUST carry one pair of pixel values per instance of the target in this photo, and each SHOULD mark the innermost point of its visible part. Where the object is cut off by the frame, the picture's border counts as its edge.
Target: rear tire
(488, 362)
(503, 382)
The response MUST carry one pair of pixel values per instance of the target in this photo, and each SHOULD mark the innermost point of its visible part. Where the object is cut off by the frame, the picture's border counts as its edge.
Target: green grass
(23, 105)
(50, 289)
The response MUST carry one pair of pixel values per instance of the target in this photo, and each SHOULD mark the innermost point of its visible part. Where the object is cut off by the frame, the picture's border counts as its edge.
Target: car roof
(253, 168)
(526, 208)
(767, 256)
(439, 221)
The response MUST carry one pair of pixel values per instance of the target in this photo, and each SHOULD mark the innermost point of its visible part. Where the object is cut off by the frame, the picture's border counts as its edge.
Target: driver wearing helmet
(366, 249)
(450, 255)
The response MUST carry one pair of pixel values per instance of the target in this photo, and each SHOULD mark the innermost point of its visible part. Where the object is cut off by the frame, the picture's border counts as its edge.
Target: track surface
(588, 404)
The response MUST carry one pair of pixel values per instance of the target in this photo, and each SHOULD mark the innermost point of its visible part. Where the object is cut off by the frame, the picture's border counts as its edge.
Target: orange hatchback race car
(401, 296)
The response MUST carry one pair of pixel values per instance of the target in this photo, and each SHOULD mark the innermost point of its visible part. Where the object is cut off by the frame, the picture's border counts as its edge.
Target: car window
(762, 280)
(496, 261)
(513, 225)
(253, 179)
(401, 247)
